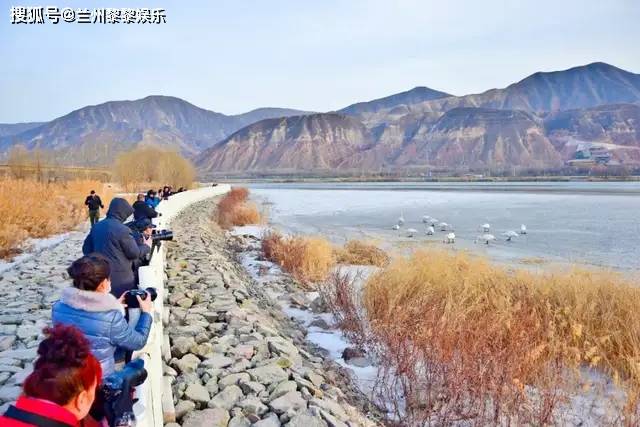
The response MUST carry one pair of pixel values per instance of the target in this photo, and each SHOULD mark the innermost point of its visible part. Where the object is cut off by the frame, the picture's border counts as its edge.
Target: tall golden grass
(153, 167)
(234, 209)
(30, 209)
(458, 338)
(308, 259)
(357, 252)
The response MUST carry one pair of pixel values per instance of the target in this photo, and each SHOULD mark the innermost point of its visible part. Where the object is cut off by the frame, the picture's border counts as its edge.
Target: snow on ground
(331, 340)
(33, 247)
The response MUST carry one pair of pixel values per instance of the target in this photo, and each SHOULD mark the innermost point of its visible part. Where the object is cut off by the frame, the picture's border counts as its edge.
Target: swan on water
(433, 222)
(486, 238)
(396, 227)
(401, 219)
(523, 229)
(411, 232)
(451, 238)
(443, 226)
(486, 227)
(426, 219)
(510, 235)
(430, 231)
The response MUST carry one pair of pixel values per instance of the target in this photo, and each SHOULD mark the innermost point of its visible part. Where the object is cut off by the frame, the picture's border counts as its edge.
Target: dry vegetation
(308, 259)
(460, 339)
(151, 167)
(33, 209)
(357, 252)
(234, 209)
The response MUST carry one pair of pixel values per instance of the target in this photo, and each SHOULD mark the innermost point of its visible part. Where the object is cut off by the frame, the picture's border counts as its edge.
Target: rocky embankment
(231, 356)
(27, 291)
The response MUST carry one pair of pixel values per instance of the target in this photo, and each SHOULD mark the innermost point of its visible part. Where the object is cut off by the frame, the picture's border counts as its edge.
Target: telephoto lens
(131, 300)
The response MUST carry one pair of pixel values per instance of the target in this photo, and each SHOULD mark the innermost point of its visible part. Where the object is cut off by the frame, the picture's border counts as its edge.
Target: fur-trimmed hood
(90, 300)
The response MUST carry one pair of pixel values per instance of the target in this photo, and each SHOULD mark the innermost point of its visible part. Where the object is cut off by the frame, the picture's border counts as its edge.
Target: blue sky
(233, 56)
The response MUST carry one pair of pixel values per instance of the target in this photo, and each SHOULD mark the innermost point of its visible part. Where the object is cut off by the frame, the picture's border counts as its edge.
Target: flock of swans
(432, 224)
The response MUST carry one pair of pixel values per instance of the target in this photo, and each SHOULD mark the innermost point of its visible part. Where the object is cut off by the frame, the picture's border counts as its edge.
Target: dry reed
(357, 252)
(234, 209)
(308, 259)
(30, 209)
(460, 339)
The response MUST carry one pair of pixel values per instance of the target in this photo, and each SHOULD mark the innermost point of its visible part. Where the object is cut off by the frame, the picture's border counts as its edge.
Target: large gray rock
(268, 374)
(183, 408)
(291, 401)
(197, 393)
(283, 388)
(253, 405)
(189, 363)
(306, 419)
(6, 342)
(181, 346)
(227, 398)
(269, 421)
(217, 361)
(239, 421)
(216, 417)
(282, 347)
(330, 406)
(9, 393)
(234, 379)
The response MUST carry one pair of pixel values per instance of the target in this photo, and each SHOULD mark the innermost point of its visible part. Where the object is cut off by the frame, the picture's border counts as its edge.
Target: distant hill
(96, 134)
(308, 142)
(540, 121)
(8, 129)
(525, 124)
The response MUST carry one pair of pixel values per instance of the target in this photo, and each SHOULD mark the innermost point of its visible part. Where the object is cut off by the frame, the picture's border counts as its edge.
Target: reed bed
(308, 259)
(461, 340)
(234, 209)
(357, 252)
(31, 209)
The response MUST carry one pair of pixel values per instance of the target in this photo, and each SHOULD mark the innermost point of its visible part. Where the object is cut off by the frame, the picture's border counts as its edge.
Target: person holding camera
(111, 238)
(62, 387)
(90, 306)
(141, 210)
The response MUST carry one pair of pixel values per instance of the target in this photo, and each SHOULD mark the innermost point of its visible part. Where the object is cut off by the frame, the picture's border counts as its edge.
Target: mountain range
(542, 121)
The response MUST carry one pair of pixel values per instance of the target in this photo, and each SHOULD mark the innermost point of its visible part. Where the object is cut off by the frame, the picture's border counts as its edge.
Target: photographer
(141, 210)
(90, 307)
(111, 238)
(62, 386)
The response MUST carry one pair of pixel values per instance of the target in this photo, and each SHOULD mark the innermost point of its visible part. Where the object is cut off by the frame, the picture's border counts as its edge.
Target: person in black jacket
(111, 238)
(142, 210)
(94, 204)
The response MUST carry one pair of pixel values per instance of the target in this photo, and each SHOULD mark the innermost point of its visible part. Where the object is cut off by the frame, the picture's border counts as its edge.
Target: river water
(593, 224)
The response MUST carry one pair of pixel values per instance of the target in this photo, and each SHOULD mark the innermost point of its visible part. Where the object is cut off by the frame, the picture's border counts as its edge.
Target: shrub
(308, 259)
(31, 209)
(457, 338)
(235, 210)
(153, 167)
(357, 252)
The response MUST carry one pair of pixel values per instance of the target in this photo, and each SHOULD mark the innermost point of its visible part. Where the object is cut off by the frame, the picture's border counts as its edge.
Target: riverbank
(233, 357)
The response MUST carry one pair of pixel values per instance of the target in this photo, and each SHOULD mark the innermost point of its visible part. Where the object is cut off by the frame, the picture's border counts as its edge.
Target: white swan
(396, 227)
(426, 219)
(401, 219)
(411, 232)
(486, 238)
(433, 222)
(451, 238)
(523, 229)
(443, 226)
(486, 227)
(430, 231)
(510, 235)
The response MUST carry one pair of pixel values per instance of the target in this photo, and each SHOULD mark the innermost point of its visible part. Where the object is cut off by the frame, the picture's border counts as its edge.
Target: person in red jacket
(62, 387)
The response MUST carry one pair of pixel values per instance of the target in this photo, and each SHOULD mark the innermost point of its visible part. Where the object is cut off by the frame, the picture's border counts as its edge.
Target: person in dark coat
(111, 238)
(90, 307)
(141, 210)
(94, 204)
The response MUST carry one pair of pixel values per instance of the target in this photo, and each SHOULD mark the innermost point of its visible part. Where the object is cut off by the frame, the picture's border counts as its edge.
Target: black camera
(131, 300)
(117, 392)
(160, 235)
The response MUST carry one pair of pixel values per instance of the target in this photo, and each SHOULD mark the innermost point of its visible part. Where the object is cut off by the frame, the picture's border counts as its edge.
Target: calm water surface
(587, 223)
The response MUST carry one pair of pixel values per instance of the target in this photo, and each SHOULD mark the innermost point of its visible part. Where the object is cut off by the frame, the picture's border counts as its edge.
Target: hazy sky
(233, 56)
